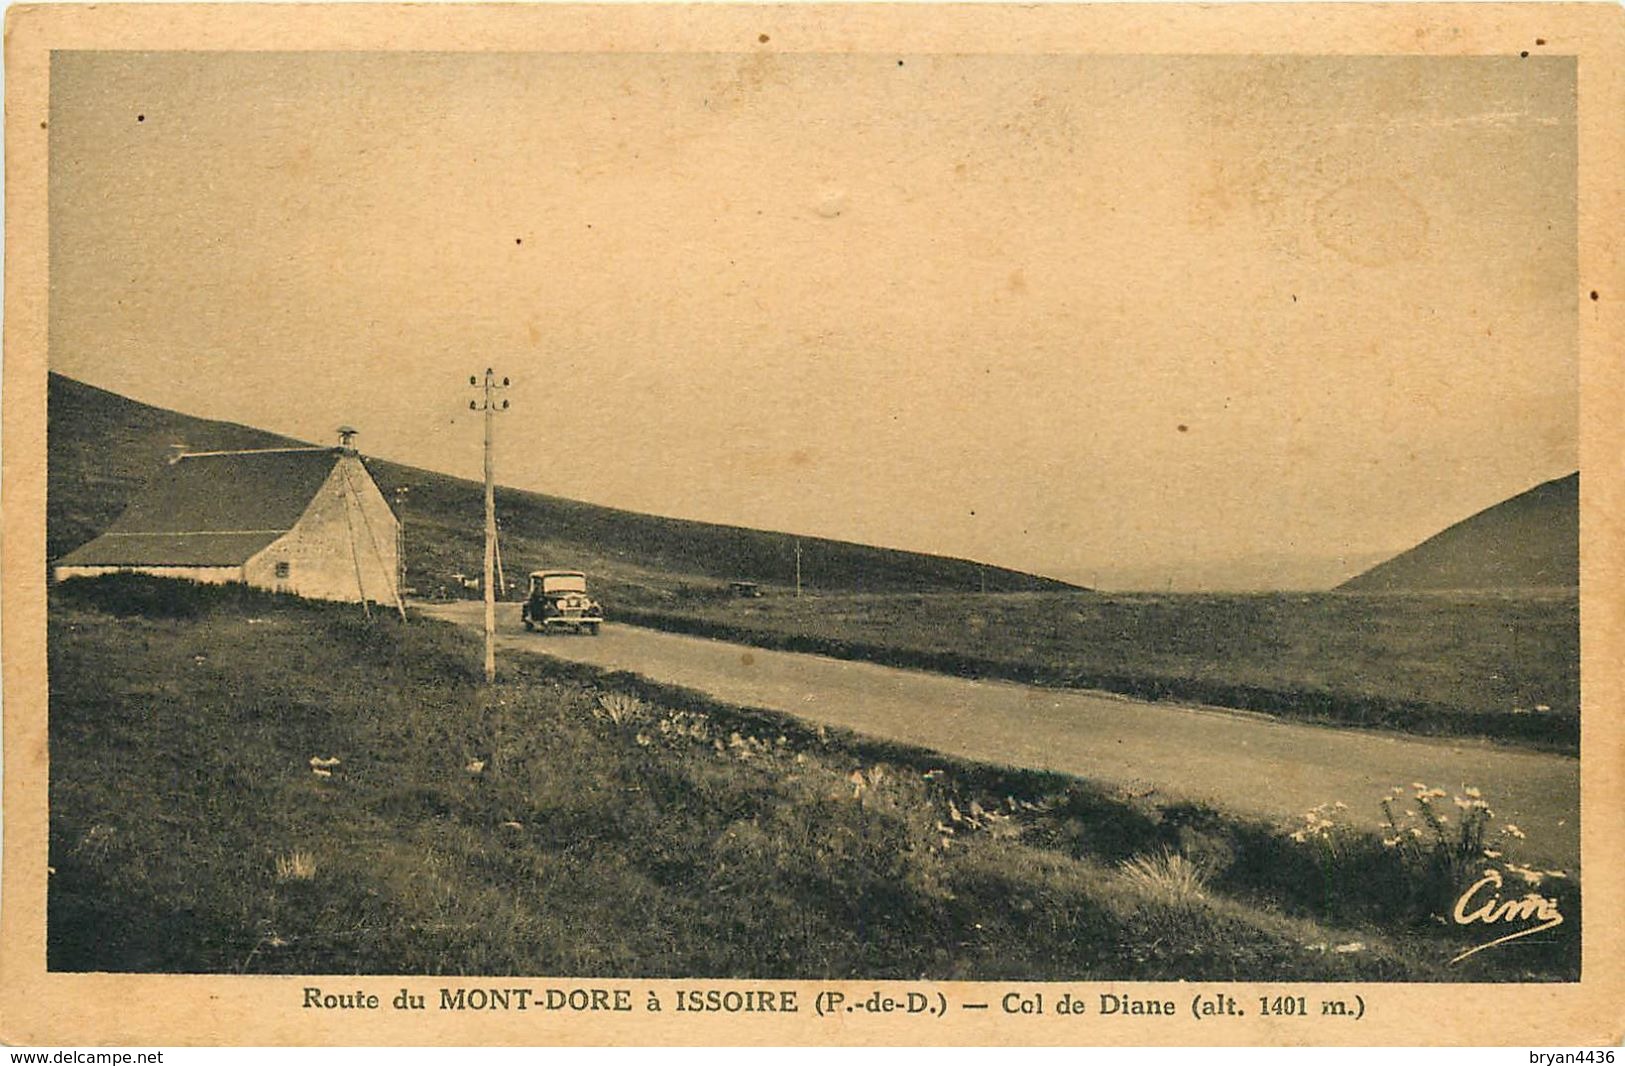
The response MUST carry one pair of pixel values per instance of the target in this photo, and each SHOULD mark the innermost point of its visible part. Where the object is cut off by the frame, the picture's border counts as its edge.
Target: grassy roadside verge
(241, 784)
(1501, 668)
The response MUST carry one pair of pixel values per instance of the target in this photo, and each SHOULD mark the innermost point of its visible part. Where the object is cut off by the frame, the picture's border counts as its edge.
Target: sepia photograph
(763, 513)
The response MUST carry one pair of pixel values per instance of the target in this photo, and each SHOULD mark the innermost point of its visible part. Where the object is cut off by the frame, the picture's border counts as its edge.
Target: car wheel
(592, 630)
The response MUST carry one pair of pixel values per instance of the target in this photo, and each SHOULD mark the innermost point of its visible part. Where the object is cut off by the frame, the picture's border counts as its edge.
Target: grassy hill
(1529, 541)
(103, 447)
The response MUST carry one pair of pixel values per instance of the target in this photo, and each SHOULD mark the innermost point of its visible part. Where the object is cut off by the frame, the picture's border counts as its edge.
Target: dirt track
(1240, 762)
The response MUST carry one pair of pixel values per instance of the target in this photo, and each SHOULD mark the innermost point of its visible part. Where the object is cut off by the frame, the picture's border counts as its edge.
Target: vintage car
(558, 599)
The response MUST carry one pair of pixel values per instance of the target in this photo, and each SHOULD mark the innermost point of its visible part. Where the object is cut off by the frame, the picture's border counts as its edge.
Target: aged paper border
(39, 1007)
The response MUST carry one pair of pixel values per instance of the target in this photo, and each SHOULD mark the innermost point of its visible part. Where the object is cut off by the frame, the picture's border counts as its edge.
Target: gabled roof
(212, 509)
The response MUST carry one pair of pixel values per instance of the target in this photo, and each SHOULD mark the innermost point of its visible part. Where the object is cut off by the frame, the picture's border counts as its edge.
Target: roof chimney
(347, 438)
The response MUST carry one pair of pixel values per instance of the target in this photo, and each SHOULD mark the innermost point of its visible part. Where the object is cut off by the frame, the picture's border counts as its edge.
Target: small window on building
(282, 570)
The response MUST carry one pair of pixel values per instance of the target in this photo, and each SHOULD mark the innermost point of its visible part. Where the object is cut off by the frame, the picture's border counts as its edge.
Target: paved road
(1240, 762)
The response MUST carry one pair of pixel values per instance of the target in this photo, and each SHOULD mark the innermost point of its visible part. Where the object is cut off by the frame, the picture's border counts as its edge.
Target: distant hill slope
(103, 447)
(1529, 541)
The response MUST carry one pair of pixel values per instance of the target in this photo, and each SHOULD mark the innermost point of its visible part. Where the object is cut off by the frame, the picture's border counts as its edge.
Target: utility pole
(490, 406)
(798, 568)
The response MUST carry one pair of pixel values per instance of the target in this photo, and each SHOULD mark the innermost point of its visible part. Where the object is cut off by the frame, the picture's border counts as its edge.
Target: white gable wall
(317, 551)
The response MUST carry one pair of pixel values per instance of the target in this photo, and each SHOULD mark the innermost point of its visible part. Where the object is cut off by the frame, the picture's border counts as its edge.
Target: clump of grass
(1167, 880)
(1163, 897)
(620, 708)
(296, 866)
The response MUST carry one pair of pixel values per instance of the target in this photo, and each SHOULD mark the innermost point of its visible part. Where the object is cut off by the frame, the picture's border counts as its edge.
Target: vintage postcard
(795, 524)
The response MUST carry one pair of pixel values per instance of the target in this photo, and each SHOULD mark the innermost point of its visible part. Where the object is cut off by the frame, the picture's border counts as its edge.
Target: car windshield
(564, 583)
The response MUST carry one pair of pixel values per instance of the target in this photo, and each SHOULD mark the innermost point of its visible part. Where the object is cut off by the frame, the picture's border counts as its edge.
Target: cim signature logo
(1482, 903)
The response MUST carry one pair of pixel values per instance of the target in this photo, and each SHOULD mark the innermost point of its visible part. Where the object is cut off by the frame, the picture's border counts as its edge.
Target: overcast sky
(1080, 315)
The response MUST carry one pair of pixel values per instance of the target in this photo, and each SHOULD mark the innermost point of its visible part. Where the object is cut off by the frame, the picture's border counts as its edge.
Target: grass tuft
(620, 708)
(1166, 880)
(296, 866)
